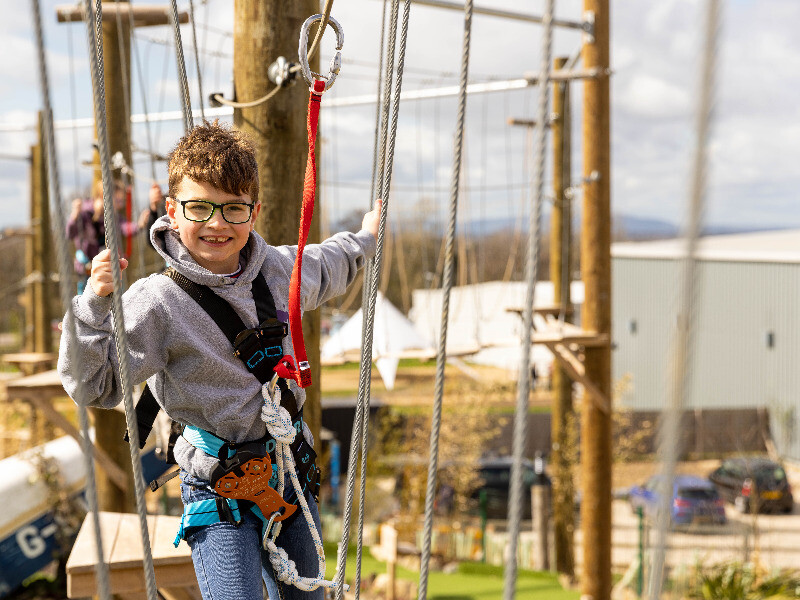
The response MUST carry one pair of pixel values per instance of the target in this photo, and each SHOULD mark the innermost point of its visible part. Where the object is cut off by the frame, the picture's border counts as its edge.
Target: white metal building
(747, 332)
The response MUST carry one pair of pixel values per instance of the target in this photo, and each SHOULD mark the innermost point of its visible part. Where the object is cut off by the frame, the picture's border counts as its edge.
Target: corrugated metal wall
(747, 338)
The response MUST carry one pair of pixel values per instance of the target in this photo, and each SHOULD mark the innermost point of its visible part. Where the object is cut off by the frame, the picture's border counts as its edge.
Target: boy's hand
(373, 218)
(101, 280)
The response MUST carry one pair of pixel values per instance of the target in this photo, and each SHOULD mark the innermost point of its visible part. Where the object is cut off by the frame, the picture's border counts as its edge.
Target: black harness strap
(232, 326)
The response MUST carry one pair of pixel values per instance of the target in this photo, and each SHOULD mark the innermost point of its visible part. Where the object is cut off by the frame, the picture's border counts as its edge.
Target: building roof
(763, 246)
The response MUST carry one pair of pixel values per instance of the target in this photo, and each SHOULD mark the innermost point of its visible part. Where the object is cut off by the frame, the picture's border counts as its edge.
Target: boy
(207, 236)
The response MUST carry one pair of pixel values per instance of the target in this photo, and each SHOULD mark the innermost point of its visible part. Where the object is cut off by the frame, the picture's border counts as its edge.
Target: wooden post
(540, 513)
(596, 451)
(110, 424)
(263, 31)
(562, 452)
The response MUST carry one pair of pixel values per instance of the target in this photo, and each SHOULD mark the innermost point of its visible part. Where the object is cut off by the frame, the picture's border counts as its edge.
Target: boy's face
(215, 244)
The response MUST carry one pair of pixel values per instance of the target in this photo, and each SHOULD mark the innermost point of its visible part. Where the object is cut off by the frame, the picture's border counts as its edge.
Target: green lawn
(473, 581)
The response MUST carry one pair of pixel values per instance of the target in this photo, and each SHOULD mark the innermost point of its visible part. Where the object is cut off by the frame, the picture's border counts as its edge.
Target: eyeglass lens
(232, 212)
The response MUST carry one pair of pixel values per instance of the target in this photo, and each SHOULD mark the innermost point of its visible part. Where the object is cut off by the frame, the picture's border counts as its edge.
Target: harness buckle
(336, 62)
(268, 529)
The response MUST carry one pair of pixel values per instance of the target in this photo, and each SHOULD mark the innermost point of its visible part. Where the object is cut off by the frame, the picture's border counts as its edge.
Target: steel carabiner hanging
(336, 62)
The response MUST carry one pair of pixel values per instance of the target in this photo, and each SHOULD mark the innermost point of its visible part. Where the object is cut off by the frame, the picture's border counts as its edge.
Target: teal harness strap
(203, 440)
(202, 513)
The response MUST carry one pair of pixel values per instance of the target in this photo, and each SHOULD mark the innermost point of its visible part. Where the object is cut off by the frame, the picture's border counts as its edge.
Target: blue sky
(655, 57)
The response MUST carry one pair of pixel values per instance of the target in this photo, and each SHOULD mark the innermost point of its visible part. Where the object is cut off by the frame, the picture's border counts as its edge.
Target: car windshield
(697, 494)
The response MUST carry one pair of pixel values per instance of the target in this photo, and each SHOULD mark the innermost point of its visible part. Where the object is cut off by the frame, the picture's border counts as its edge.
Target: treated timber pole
(596, 451)
(562, 455)
(263, 31)
(109, 425)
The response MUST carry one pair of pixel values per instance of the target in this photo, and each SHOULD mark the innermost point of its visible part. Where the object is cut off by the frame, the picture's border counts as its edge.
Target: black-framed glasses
(200, 211)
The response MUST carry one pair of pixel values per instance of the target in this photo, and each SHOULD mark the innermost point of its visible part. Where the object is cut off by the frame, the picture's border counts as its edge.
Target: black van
(754, 484)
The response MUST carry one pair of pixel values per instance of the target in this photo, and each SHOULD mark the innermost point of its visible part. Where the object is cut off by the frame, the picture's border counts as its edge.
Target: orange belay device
(253, 485)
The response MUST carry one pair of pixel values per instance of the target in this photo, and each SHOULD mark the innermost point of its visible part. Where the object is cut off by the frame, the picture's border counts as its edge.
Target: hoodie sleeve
(329, 267)
(97, 363)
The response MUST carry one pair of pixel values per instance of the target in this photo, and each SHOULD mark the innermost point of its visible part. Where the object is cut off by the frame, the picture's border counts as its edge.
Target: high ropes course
(389, 92)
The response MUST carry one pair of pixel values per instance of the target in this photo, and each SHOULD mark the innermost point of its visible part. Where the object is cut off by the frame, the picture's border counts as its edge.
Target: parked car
(694, 500)
(496, 477)
(755, 484)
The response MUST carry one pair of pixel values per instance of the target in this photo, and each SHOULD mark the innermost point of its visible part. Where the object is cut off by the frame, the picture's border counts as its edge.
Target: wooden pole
(596, 450)
(562, 452)
(263, 31)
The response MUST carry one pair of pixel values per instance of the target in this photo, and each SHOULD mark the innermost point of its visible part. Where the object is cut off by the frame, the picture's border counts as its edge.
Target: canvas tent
(394, 337)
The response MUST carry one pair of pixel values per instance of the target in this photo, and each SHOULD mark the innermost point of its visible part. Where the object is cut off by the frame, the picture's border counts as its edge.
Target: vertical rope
(372, 285)
(140, 77)
(65, 269)
(378, 169)
(186, 102)
(683, 343)
(523, 382)
(441, 355)
(197, 60)
(95, 42)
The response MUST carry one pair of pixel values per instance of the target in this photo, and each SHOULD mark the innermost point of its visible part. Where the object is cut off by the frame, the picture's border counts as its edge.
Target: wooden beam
(144, 15)
(572, 365)
(114, 472)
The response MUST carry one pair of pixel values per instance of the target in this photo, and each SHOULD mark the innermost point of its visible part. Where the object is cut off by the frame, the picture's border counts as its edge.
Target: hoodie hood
(168, 244)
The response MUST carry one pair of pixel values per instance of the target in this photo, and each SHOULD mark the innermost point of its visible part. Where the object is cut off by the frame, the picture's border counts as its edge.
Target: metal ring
(302, 52)
(269, 528)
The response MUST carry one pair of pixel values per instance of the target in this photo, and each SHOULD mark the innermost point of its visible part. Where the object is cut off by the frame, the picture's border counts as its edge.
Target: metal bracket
(281, 72)
(587, 26)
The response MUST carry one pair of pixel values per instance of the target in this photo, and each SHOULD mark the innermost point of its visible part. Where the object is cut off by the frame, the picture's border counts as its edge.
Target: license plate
(771, 495)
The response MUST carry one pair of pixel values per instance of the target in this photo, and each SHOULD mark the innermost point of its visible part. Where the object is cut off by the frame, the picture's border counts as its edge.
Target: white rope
(279, 424)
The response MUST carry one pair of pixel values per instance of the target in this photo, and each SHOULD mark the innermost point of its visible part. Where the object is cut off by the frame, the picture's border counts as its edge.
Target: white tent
(394, 337)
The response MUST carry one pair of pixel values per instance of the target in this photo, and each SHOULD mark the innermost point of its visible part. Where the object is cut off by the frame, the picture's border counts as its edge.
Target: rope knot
(276, 417)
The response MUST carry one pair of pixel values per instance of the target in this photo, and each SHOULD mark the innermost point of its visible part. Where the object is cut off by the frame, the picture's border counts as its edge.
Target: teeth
(215, 240)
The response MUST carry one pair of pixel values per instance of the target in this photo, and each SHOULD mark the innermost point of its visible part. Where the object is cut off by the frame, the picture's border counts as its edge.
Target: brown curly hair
(218, 155)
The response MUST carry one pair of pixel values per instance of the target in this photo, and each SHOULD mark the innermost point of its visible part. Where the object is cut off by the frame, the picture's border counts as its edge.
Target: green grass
(473, 581)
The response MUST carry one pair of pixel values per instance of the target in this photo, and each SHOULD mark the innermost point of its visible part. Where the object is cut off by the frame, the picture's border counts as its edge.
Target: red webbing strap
(303, 373)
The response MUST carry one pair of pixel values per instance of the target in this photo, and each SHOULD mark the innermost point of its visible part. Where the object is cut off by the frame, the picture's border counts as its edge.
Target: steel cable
(65, 268)
(186, 102)
(372, 285)
(197, 60)
(523, 381)
(683, 343)
(447, 286)
(95, 42)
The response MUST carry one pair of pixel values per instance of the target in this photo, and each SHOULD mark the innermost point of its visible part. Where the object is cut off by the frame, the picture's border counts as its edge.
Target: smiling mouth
(215, 240)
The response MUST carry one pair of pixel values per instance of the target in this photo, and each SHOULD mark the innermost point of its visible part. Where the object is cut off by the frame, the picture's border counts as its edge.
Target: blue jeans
(229, 560)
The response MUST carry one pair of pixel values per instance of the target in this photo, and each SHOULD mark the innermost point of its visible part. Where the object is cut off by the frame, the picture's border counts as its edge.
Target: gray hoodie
(180, 351)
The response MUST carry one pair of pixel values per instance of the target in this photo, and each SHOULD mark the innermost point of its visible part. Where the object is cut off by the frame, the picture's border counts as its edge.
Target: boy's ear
(173, 221)
(254, 216)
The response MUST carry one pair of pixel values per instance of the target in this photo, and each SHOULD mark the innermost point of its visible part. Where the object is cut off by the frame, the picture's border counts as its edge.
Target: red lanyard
(303, 373)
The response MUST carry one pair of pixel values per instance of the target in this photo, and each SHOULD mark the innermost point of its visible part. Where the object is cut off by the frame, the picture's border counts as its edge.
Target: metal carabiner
(336, 61)
(271, 386)
(268, 530)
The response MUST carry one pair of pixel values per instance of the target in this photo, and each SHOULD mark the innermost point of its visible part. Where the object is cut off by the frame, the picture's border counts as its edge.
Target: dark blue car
(694, 500)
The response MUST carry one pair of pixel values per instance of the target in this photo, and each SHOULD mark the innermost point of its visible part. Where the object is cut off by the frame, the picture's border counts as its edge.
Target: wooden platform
(122, 548)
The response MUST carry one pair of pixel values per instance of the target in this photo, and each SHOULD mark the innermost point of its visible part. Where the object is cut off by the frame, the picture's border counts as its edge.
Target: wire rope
(441, 355)
(197, 60)
(138, 66)
(63, 255)
(372, 284)
(523, 382)
(95, 42)
(183, 82)
(683, 343)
